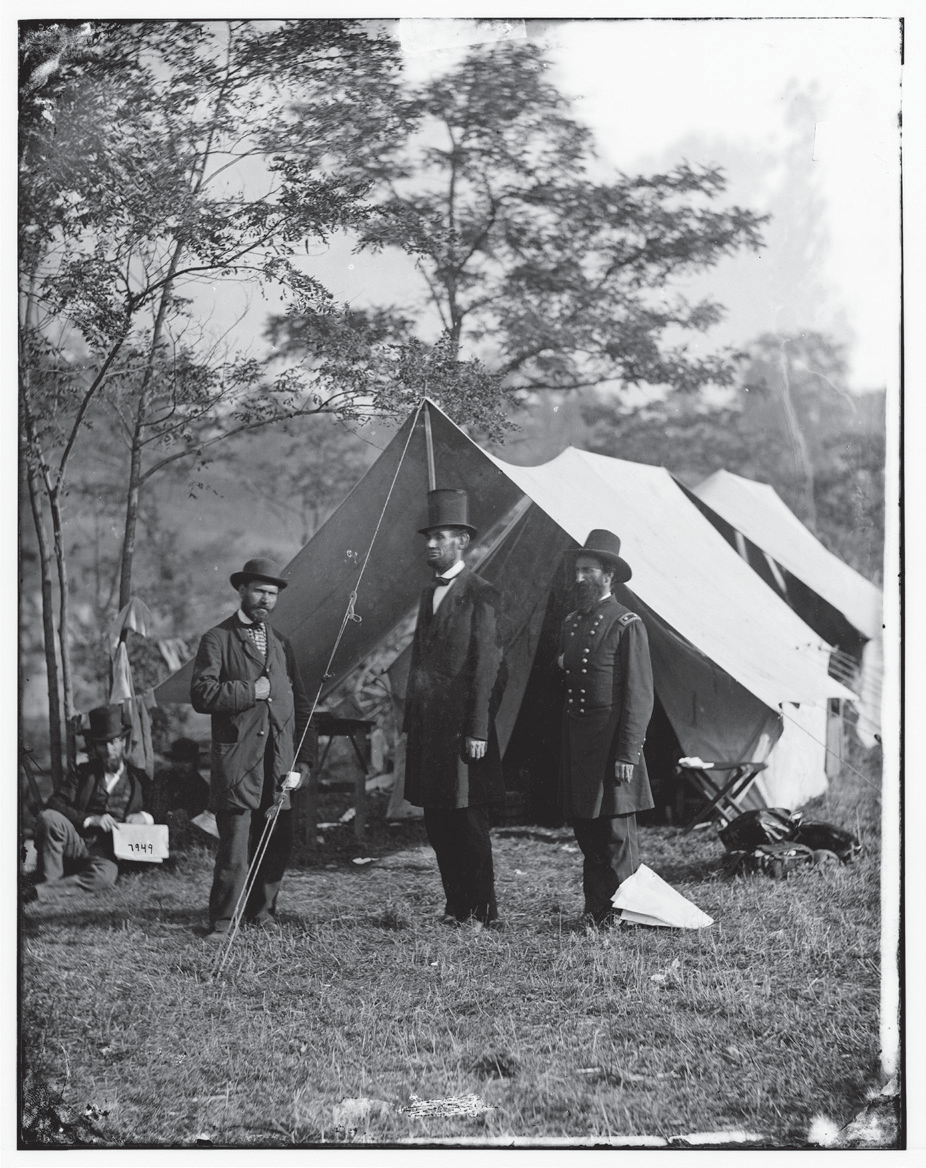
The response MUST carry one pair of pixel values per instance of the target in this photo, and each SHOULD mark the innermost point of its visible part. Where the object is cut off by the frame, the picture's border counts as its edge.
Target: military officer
(604, 653)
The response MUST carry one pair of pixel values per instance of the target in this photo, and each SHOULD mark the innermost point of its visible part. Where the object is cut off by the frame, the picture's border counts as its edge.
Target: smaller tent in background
(835, 600)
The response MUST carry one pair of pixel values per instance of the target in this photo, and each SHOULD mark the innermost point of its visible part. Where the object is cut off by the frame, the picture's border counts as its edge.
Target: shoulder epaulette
(627, 618)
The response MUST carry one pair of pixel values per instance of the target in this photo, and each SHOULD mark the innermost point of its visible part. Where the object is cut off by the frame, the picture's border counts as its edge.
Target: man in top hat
(179, 787)
(452, 767)
(604, 653)
(73, 835)
(245, 675)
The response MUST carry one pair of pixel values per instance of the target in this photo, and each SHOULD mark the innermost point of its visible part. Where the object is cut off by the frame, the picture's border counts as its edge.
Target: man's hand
(623, 772)
(294, 780)
(475, 748)
(104, 822)
(262, 689)
(140, 817)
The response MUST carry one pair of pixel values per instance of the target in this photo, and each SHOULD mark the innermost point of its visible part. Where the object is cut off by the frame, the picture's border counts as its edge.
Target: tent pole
(429, 447)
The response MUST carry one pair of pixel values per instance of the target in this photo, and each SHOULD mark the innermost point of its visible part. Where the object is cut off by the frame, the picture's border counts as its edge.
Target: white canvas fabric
(758, 512)
(727, 652)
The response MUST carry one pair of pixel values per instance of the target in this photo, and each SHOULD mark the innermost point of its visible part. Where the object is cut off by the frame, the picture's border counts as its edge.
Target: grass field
(366, 1016)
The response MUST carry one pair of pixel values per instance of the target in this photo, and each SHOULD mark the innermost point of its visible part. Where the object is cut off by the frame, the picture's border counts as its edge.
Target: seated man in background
(180, 792)
(74, 832)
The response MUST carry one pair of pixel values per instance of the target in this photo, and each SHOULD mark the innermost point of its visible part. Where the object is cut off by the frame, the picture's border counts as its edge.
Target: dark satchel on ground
(775, 842)
(777, 860)
(827, 838)
(769, 825)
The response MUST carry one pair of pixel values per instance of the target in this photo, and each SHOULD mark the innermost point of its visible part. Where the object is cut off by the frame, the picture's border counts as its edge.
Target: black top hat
(605, 546)
(258, 570)
(448, 507)
(184, 750)
(106, 724)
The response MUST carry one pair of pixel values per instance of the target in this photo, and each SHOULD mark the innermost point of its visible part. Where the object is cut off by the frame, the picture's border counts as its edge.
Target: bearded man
(604, 652)
(245, 675)
(453, 768)
(74, 832)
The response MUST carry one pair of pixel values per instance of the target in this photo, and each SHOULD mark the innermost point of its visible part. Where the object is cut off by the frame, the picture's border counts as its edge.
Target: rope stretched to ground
(273, 812)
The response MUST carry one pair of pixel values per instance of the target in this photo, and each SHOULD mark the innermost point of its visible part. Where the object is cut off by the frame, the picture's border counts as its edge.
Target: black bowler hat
(106, 724)
(448, 507)
(184, 750)
(258, 570)
(605, 546)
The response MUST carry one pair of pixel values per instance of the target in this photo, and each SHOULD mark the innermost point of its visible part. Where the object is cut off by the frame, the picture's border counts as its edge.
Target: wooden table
(305, 802)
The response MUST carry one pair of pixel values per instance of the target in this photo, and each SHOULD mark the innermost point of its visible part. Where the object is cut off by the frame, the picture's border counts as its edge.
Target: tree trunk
(802, 459)
(48, 629)
(135, 469)
(131, 524)
(64, 626)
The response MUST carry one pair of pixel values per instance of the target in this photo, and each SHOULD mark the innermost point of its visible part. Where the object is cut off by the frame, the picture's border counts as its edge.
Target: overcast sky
(802, 114)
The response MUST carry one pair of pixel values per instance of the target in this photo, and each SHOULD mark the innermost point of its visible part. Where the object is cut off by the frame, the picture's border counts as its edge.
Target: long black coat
(227, 667)
(452, 694)
(609, 702)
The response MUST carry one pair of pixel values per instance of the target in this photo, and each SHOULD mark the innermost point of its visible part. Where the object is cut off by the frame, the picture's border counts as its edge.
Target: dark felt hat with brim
(106, 724)
(258, 569)
(448, 507)
(606, 547)
(183, 750)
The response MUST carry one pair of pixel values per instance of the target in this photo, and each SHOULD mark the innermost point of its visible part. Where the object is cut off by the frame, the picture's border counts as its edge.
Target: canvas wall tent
(738, 674)
(831, 597)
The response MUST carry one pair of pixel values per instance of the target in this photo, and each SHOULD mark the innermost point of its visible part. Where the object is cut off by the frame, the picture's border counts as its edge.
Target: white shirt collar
(245, 620)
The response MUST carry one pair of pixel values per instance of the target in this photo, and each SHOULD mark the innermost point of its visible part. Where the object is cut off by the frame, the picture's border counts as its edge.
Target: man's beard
(586, 595)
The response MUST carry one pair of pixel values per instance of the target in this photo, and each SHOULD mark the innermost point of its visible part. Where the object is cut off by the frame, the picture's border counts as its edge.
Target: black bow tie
(441, 581)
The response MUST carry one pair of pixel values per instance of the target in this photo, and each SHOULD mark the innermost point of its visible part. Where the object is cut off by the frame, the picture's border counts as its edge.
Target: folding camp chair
(722, 795)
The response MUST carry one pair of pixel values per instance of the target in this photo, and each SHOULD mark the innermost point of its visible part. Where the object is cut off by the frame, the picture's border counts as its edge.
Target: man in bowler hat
(453, 768)
(74, 833)
(180, 791)
(604, 652)
(245, 675)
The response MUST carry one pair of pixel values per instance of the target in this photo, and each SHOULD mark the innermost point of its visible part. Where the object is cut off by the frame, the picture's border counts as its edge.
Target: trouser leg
(231, 866)
(65, 865)
(262, 901)
(58, 844)
(463, 845)
(609, 846)
(268, 876)
(439, 827)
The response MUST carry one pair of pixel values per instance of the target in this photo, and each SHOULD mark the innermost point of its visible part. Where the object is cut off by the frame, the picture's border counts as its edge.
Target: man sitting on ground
(74, 833)
(180, 793)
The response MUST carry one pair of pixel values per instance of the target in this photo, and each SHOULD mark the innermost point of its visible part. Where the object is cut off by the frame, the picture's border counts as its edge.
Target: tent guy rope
(350, 615)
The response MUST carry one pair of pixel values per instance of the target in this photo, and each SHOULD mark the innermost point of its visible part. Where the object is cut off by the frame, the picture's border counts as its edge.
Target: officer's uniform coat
(227, 667)
(452, 695)
(609, 702)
